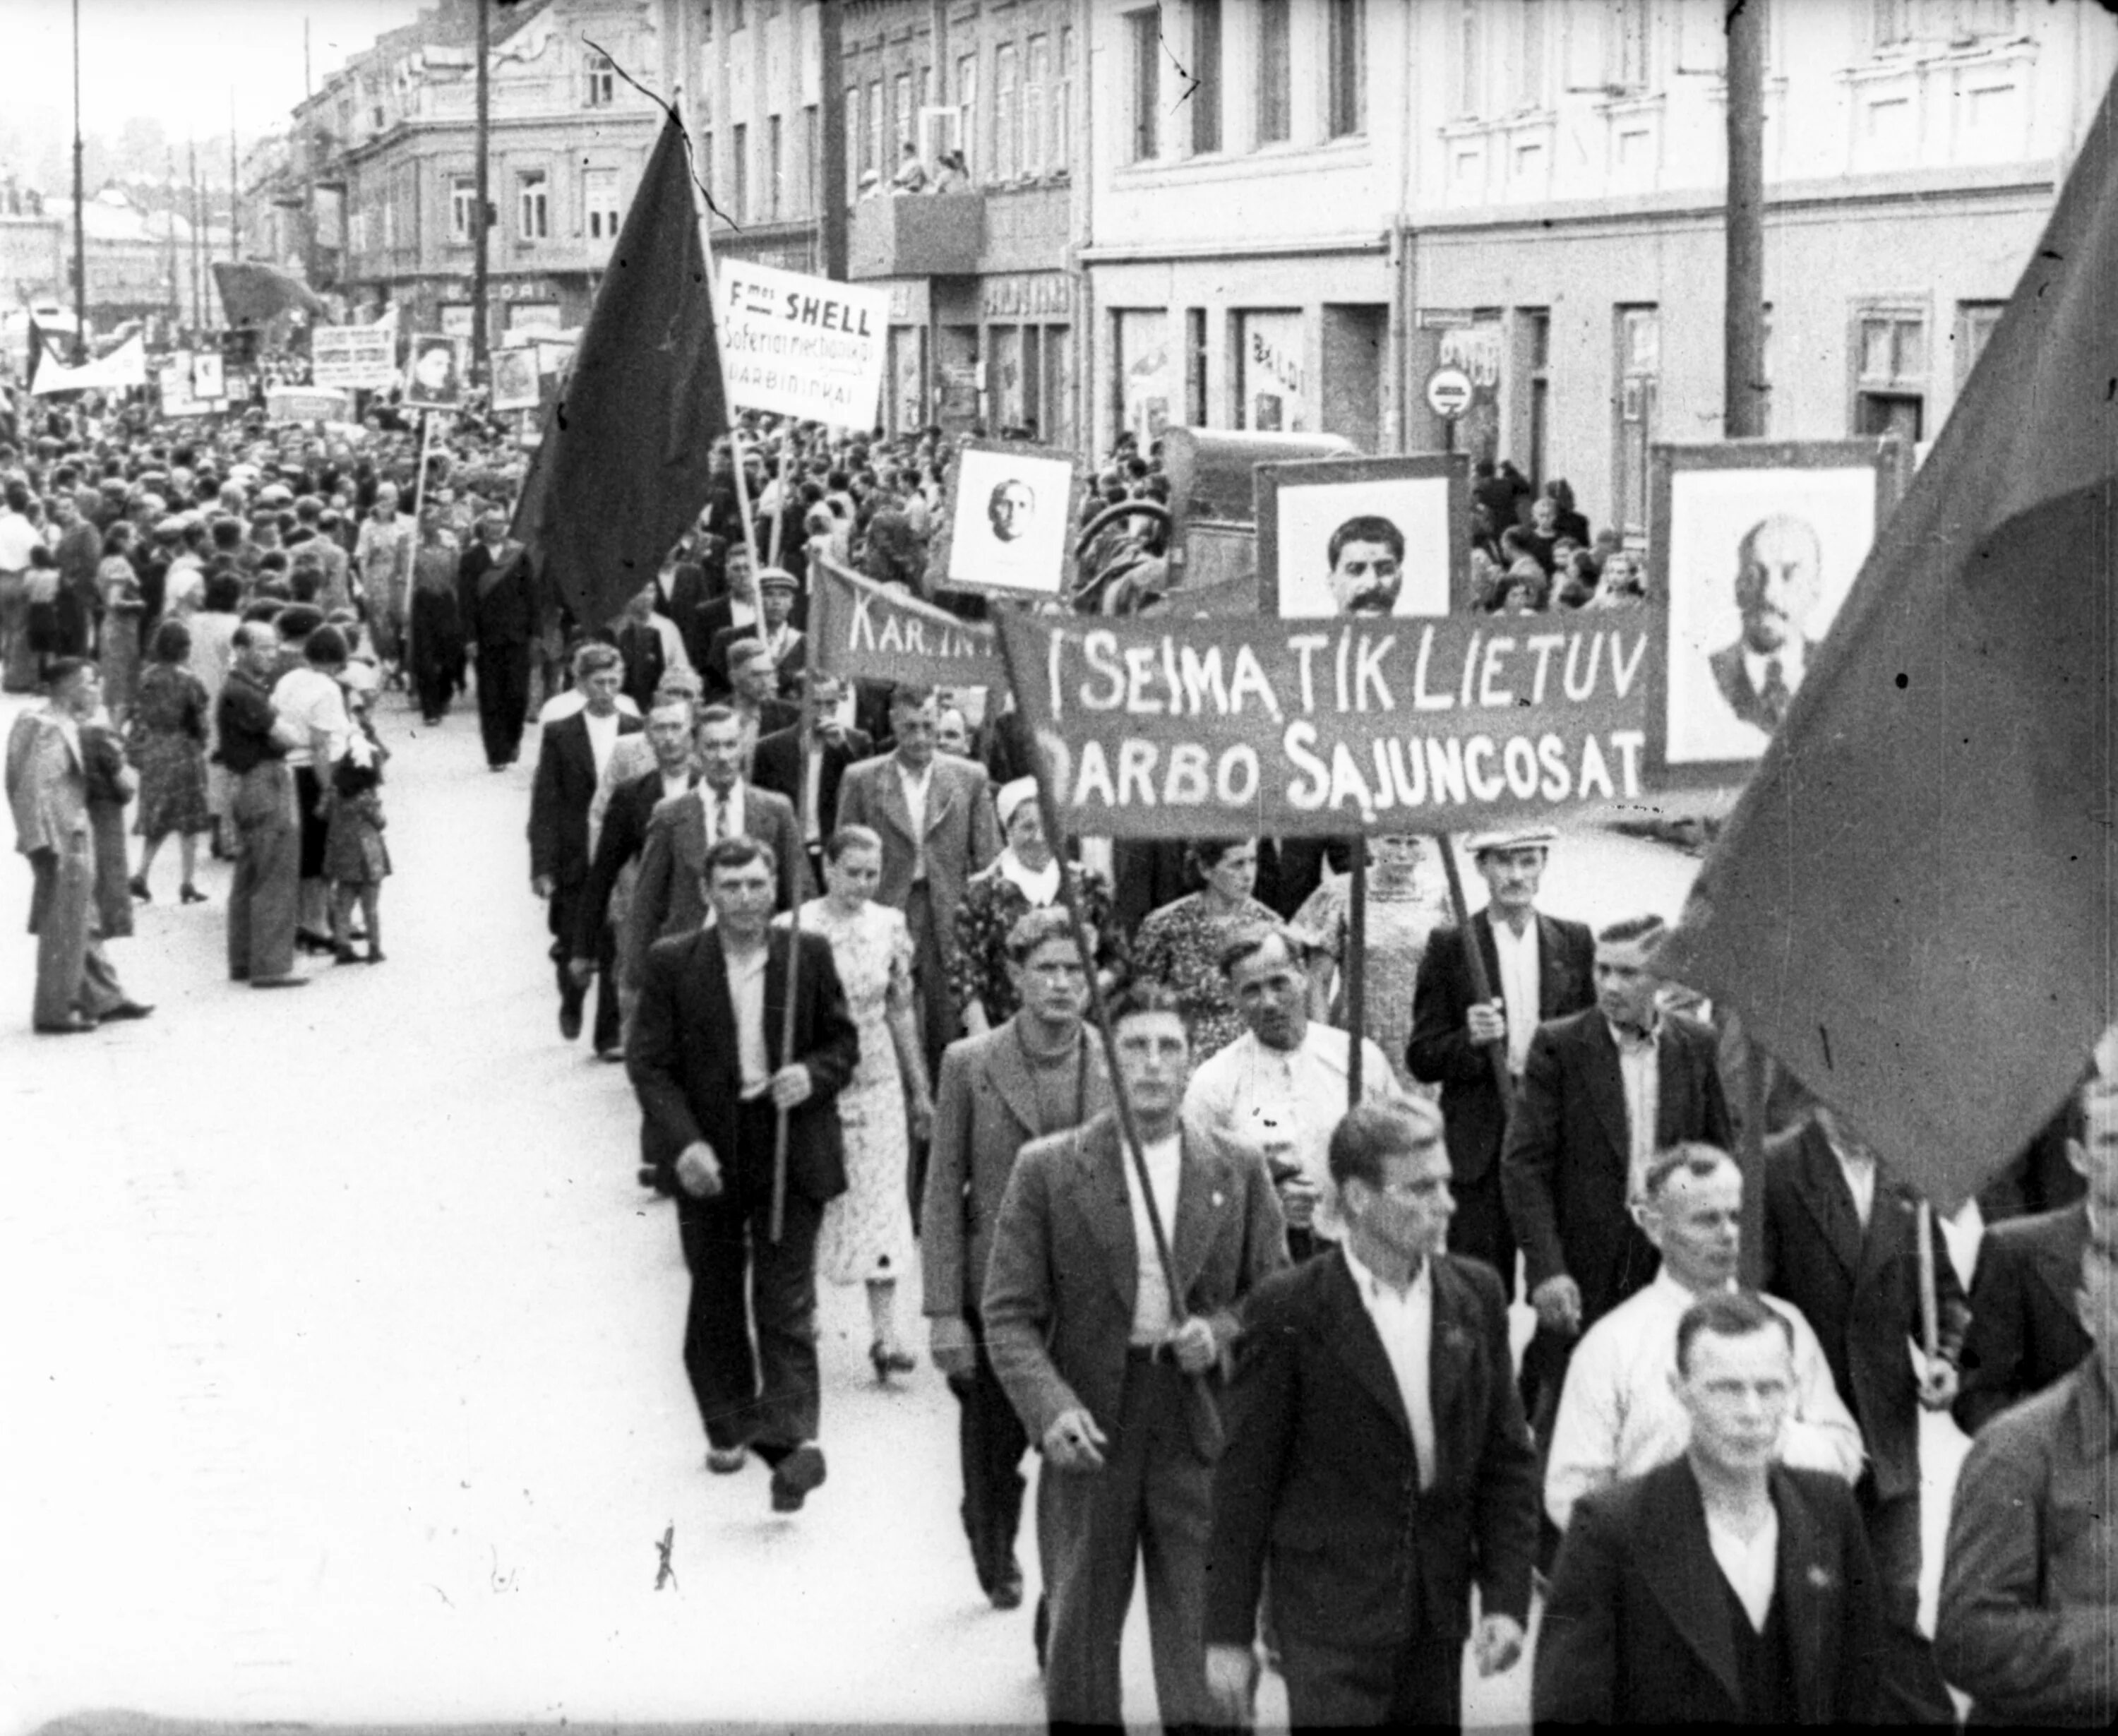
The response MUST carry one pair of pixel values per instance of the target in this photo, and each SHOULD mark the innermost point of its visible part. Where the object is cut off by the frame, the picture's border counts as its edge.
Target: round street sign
(1449, 393)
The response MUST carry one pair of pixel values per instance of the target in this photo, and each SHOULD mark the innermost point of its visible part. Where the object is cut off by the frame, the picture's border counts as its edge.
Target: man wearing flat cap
(1536, 967)
(775, 629)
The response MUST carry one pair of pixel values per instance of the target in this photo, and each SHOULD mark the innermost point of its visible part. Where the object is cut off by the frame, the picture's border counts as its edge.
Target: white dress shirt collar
(1405, 1321)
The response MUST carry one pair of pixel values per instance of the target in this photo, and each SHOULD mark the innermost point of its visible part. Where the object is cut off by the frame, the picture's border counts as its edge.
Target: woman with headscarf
(1024, 877)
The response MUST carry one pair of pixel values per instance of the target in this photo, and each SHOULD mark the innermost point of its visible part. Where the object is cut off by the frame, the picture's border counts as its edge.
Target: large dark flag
(253, 292)
(622, 466)
(1912, 905)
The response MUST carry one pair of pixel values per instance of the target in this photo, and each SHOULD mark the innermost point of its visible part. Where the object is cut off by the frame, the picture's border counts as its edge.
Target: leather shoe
(73, 1027)
(570, 1017)
(126, 1009)
(610, 1054)
(279, 982)
(793, 1477)
(1006, 1591)
(724, 1461)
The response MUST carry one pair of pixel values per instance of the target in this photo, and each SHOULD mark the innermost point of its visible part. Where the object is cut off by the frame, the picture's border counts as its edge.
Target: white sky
(180, 60)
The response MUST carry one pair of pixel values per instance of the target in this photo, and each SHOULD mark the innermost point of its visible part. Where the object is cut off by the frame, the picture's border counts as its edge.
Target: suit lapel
(1552, 985)
(1010, 1081)
(1824, 1195)
(717, 1005)
(941, 795)
(1607, 1087)
(893, 804)
(1482, 925)
(775, 995)
(1679, 1566)
(1351, 1337)
(1107, 1203)
(1674, 1119)
(1808, 1589)
(2058, 1263)
(1202, 1197)
(1449, 1358)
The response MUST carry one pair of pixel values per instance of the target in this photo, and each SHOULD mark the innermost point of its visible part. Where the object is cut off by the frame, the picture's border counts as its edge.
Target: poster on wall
(1755, 545)
(1143, 372)
(1363, 537)
(1275, 384)
(1006, 512)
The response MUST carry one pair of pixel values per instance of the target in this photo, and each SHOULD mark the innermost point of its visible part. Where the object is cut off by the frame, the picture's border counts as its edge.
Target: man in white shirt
(18, 536)
(1109, 1301)
(1280, 1088)
(1377, 1465)
(1620, 1414)
(309, 699)
(384, 554)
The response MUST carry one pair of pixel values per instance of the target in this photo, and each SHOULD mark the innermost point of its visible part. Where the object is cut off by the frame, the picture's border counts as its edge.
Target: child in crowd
(355, 858)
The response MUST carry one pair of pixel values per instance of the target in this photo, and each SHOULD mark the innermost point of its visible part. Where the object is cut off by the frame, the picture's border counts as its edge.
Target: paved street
(340, 1377)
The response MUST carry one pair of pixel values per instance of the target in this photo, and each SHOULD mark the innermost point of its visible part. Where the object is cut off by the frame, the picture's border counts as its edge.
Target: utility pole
(481, 193)
(235, 185)
(169, 217)
(79, 211)
(831, 75)
(198, 231)
(1743, 314)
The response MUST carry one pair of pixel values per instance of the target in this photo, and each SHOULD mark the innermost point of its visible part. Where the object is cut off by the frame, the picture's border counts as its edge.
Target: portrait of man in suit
(706, 1061)
(1366, 556)
(1723, 1587)
(1111, 1300)
(1376, 1457)
(1778, 573)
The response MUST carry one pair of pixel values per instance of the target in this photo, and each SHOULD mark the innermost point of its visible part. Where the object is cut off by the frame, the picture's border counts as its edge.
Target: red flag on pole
(1912, 905)
(622, 467)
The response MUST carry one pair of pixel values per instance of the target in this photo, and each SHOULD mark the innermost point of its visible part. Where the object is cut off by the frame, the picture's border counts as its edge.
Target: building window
(1195, 367)
(812, 157)
(1346, 65)
(1146, 28)
(901, 93)
(856, 136)
(776, 169)
(1007, 114)
(739, 189)
(1468, 81)
(1062, 106)
(1531, 91)
(1632, 45)
(1975, 321)
(602, 82)
(1205, 103)
(1896, 24)
(1273, 394)
(875, 159)
(1275, 108)
(967, 106)
(533, 205)
(738, 15)
(599, 201)
(1036, 83)
(1891, 371)
(463, 207)
(1640, 402)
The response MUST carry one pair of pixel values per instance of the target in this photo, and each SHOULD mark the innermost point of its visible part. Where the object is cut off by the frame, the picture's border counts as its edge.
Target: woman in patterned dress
(867, 1234)
(1405, 907)
(1024, 877)
(167, 737)
(1181, 943)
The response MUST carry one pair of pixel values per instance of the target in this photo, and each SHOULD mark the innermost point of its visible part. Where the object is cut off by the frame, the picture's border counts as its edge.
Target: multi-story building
(383, 162)
(981, 278)
(147, 260)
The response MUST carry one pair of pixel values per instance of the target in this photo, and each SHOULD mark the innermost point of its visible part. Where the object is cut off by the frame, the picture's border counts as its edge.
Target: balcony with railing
(916, 235)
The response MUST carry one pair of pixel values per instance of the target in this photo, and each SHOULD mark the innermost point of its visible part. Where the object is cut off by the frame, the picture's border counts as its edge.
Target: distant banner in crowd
(861, 628)
(125, 366)
(802, 346)
(306, 404)
(355, 356)
(1323, 727)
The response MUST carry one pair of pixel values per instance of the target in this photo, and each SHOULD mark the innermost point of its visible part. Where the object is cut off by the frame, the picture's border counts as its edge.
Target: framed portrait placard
(1754, 545)
(1363, 536)
(434, 372)
(1006, 519)
(514, 377)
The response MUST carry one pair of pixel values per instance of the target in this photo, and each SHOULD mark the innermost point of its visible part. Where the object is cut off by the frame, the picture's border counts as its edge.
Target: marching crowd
(1240, 1276)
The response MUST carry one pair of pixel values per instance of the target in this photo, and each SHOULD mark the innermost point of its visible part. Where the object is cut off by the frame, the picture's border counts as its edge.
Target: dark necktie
(720, 817)
(1775, 696)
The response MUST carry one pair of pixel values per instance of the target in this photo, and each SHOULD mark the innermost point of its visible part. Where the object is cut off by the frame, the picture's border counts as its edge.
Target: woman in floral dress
(167, 734)
(867, 1234)
(1181, 943)
(1406, 904)
(1024, 877)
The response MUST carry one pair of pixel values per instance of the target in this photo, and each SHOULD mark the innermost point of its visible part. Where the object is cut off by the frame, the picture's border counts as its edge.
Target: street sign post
(1449, 389)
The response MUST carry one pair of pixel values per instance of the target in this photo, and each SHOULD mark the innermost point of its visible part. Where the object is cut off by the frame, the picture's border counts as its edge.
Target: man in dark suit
(569, 764)
(670, 735)
(1035, 1074)
(1840, 1243)
(1721, 1588)
(1376, 1453)
(499, 613)
(1547, 974)
(774, 628)
(1580, 1140)
(1106, 1354)
(680, 592)
(669, 898)
(707, 1063)
(2026, 1330)
(812, 791)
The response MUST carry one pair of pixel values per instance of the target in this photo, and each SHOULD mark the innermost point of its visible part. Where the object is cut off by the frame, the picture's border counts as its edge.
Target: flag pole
(780, 515)
(750, 543)
(1474, 961)
(418, 542)
(1357, 971)
(1069, 894)
(1929, 1309)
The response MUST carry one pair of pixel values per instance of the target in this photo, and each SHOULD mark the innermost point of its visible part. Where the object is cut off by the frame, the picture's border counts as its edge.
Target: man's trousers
(263, 901)
(74, 975)
(1152, 1503)
(503, 700)
(990, 1441)
(740, 1276)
